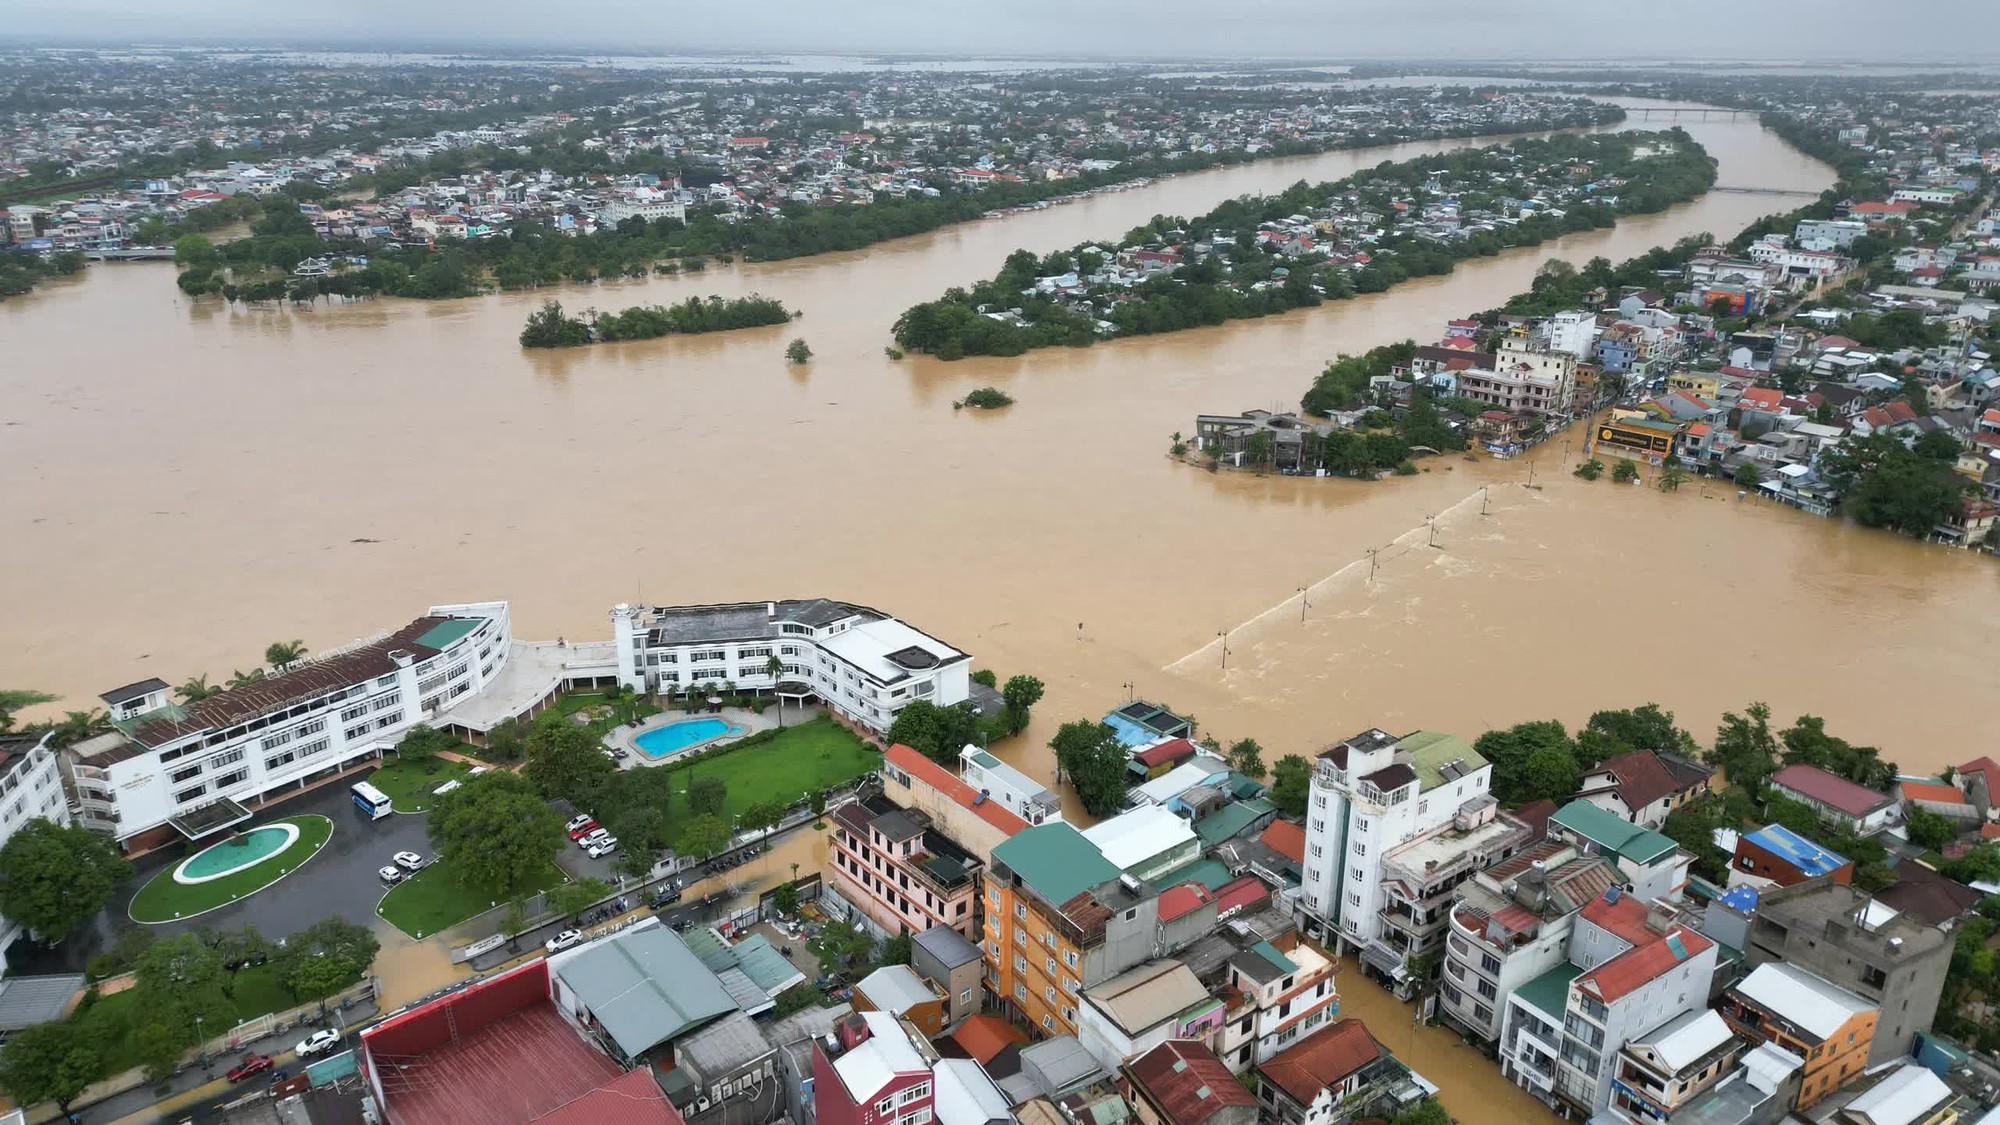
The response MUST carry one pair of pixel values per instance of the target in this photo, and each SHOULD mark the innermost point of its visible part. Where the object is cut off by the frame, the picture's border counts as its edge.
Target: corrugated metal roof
(645, 987)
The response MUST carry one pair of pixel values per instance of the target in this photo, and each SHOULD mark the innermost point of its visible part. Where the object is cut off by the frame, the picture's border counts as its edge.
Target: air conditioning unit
(701, 1105)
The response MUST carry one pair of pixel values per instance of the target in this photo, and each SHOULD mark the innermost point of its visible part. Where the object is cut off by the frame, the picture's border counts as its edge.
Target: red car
(251, 1064)
(582, 830)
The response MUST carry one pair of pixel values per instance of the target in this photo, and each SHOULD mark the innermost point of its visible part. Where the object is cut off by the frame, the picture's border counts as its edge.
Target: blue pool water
(253, 846)
(661, 742)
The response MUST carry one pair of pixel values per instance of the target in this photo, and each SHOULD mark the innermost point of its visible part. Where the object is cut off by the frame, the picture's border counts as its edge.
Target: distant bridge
(1683, 113)
(132, 254)
(1768, 191)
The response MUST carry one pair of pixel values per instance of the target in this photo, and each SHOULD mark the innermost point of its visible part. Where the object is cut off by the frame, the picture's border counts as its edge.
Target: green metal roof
(438, 636)
(1550, 991)
(1055, 861)
(1208, 872)
(1430, 752)
(1613, 833)
(985, 759)
(1270, 953)
(1230, 820)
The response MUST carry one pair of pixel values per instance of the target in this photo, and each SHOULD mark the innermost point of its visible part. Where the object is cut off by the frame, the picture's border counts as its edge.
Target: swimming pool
(671, 739)
(236, 853)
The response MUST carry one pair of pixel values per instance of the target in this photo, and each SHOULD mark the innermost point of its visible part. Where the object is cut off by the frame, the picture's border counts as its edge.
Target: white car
(409, 861)
(598, 849)
(578, 821)
(318, 1041)
(594, 839)
(563, 941)
(392, 874)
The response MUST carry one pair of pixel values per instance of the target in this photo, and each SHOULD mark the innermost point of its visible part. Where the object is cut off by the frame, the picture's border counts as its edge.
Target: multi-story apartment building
(1649, 864)
(1060, 918)
(30, 789)
(1371, 794)
(899, 871)
(1672, 1065)
(1275, 997)
(1629, 969)
(1840, 934)
(1016, 791)
(875, 1069)
(916, 783)
(1511, 924)
(862, 664)
(1822, 1023)
(1420, 879)
(169, 770)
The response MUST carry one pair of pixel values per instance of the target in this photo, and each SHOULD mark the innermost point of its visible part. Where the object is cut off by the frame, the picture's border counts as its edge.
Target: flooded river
(186, 483)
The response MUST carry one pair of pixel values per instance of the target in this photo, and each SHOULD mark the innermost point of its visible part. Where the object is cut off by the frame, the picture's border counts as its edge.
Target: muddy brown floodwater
(188, 482)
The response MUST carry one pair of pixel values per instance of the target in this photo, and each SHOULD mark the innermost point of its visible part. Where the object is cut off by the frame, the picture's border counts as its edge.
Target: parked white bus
(371, 800)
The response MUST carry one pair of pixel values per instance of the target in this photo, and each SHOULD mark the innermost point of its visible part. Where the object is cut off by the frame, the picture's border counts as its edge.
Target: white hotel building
(30, 789)
(860, 663)
(168, 769)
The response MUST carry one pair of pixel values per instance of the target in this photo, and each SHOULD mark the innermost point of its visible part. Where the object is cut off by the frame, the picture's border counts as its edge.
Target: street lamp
(201, 1043)
(1223, 636)
(1304, 604)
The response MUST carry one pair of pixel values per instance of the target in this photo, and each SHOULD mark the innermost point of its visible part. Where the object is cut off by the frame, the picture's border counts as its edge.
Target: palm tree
(79, 725)
(280, 653)
(243, 679)
(197, 689)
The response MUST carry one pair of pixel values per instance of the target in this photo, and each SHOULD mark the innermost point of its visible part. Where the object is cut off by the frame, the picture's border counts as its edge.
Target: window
(1020, 964)
(1050, 967)
(185, 773)
(229, 779)
(1489, 963)
(1069, 958)
(1354, 900)
(186, 795)
(1317, 851)
(1020, 992)
(920, 1090)
(1048, 1023)
(886, 1106)
(1049, 994)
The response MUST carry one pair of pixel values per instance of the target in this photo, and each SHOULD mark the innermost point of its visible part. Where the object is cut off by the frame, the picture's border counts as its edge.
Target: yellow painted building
(1702, 385)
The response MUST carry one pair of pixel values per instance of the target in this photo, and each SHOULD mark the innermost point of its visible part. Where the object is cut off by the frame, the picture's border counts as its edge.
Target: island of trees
(1261, 255)
(550, 327)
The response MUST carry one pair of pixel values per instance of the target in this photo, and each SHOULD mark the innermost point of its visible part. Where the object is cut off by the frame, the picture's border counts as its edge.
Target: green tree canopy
(55, 877)
(565, 759)
(705, 836)
(326, 957)
(1745, 750)
(497, 833)
(1021, 694)
(50, 1062)
(422, 743)
(1291, 784)
(1094, 760)
(938, 733)
(1246, 757)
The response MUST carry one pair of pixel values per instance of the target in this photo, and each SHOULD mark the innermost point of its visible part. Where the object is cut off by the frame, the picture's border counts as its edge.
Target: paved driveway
(339, 882)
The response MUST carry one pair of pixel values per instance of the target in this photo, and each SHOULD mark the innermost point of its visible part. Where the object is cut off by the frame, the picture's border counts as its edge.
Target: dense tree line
(1241, 279)
(549, 327)
(21, 271)
(1882, 482)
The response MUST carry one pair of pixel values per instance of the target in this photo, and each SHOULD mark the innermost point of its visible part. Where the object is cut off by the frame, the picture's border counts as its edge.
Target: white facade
(1016, 791)
(308, 722)
(1572, 333)
(1283, 1002)
(1828, 234)
(1367, 798)
(859, 662)
(30, 789)
(642, 205)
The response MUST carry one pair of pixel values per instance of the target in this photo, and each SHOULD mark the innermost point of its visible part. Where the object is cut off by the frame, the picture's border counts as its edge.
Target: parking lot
(339, 882)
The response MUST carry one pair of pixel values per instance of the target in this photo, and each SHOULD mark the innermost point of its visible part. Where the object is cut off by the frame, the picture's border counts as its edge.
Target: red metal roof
(1178, 902)
(1632, 969)
(1831, 790)
(1325, 1058)
(951, 785)
(1241, 894)
(634, 1099)
(1187, 1082)
(1287, 839)
(1159, 754)
(984, 1037)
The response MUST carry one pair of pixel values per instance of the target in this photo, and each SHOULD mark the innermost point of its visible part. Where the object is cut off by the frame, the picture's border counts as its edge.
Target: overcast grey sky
(1600, 30)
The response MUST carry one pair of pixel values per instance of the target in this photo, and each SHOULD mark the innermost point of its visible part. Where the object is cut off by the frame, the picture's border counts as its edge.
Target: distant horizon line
(1923, 61)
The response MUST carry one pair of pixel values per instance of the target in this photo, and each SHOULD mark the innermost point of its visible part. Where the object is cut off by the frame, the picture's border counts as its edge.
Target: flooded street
(187, 483)
(1469, 1084)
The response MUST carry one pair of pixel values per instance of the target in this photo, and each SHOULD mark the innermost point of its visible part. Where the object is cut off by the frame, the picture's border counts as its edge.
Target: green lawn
(604, 713)
(409, 784)
(163, 900)
(433, 899)
(820, 754)
(258, 993)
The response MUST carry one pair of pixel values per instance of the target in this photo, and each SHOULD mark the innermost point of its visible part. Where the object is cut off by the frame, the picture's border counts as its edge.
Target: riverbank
(1264, 255)
(183, 428)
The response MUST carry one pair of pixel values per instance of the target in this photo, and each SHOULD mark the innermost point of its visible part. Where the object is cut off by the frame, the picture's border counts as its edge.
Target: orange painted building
(1829, 1027)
